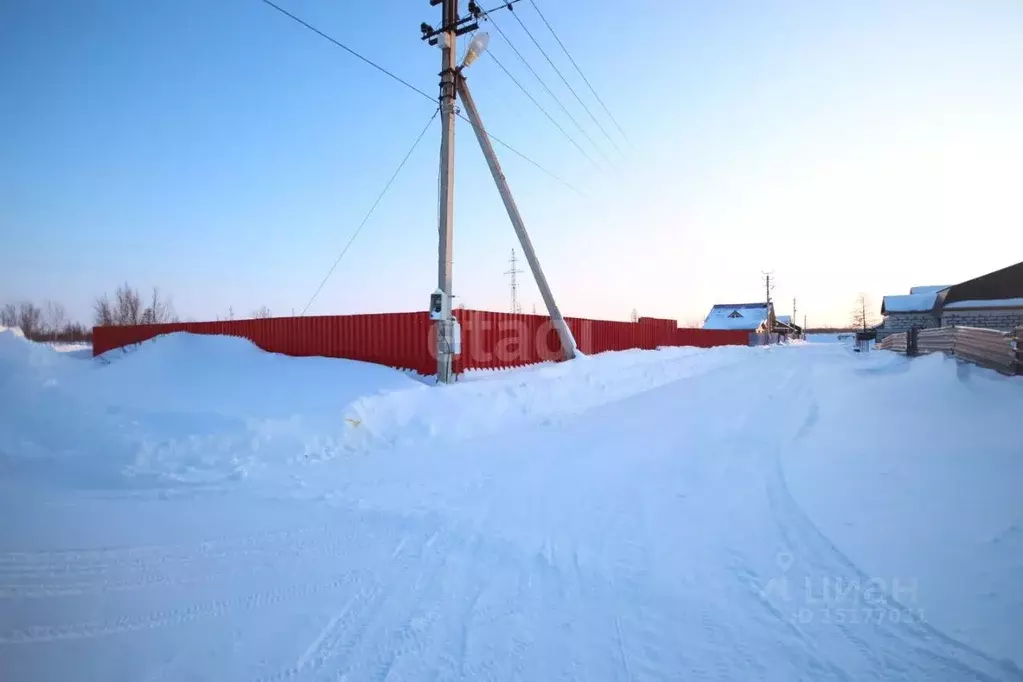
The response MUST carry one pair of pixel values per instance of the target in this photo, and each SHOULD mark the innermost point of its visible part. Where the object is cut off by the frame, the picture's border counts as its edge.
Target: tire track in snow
(241, 565)
(354, 539)
(58, 561)
(817, 555)
(347, 626)
(393, 613)
(821, 561)
(312, 658)
(171, 617)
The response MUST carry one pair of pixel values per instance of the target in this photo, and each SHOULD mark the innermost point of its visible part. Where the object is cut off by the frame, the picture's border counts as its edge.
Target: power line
(348, 49)
(371, 209)
(549, 91)
(415, 89)
(580, 71)
(565, 81)
(525, 158)
(545, 113)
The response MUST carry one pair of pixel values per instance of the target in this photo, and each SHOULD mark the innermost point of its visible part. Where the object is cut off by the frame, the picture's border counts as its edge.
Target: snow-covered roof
(929, 289)
(909, 303)
(736, 316)
(784, 319)
(990, 303)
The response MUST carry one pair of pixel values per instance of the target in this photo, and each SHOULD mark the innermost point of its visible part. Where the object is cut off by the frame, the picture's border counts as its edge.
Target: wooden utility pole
(445, 225)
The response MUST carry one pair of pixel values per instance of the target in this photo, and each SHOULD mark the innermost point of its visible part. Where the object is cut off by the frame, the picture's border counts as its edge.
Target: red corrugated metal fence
(395, 339)
(406, 340)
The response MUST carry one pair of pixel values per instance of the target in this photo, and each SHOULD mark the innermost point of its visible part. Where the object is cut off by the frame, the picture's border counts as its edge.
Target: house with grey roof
(920, 310)
(991, 301)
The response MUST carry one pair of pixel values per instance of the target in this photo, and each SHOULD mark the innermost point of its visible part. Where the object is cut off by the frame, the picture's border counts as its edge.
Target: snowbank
(179, 409)
(490, 401)
(188, 408)
(228, 375)
(41, 425)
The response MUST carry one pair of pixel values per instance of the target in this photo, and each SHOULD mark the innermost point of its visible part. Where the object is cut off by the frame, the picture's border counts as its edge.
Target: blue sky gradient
(226, 154)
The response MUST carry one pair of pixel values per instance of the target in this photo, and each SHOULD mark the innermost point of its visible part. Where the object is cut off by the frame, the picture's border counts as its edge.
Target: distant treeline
(47, 323)
(50, 321)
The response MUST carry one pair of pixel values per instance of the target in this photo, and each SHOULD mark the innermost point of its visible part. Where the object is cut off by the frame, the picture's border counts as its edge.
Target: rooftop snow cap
(909, 303)
(736, 316)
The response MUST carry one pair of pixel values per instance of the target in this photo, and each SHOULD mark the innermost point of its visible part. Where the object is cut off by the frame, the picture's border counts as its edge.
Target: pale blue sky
(226, 154)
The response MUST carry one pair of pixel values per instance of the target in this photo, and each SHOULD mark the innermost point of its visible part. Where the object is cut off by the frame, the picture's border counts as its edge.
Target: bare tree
(261, 313)
(160, 310)
(128, 308)
(103, 312)
(862, 317)
(30, 319)
(9, 315)
(635, 315)
(56, 318)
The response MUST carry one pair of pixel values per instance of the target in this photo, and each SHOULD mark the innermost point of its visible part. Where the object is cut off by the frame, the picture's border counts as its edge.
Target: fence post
(1017, 338)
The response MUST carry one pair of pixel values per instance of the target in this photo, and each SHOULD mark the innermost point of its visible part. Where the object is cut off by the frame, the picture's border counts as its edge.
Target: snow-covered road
(649, 535)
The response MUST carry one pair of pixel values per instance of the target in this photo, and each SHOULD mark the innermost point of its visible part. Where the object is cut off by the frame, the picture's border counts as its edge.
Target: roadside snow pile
(543, 394)
(913, 469)
(19, 356)
(40, 423)
(186, 408)
(227, 375)
(180, 409)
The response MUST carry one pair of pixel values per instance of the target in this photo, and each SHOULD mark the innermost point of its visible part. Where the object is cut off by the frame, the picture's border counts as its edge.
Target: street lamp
(476, 48)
